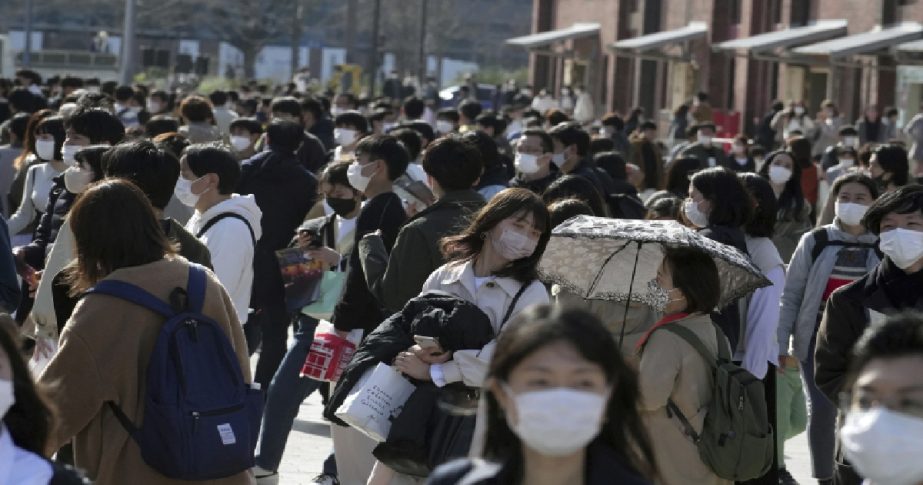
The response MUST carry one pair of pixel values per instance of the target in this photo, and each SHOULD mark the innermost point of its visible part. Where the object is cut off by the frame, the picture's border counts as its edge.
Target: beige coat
(105, 349)
(671, 369)
(493, 298)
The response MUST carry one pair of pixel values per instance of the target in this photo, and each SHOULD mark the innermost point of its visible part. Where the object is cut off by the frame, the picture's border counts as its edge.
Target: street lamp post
(127, 57)
(27, 52)
(421, 74)
(373, 71)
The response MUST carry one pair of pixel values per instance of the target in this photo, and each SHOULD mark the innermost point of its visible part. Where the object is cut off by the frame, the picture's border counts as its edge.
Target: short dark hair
(123, 93)
(563, 209)
(196, 109)
(310, 104)
(352, 119)
(411, 139)
(765, 212)
(492, 120)
(114, 227)
(470, 109)
(54, 126)
(423, 128)
(98, 125)
(547, 144)
(694, 129)
(899, 335)
(287, 105)
(855, 177)
(905, 200)
(848, 130)
(161, 94)
(206, 158)
(414, 107)
(555, 116)
(647, 125)
(21, 99)
(490, 154)
(92, 157)
(730, 202)
(663, 204)
(893, 159)
(455, 163)
(250, 124)
(153, 169)
(599, 145)
(576, 186)
(284, 135)
(218, 97)
(613, 163)
(71, 82)
(570, 133)
(172, 142)
(679, 173)
(387, 148)
(695, 274)
(18, 124)
(449, 114)
(335, 173)
(613, 120)
(160, 124)
(512, 202)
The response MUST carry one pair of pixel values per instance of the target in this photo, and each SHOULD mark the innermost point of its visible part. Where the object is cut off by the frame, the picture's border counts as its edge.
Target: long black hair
(539, 326)
(30, 420)
(791, 200)
(763, 222)
(512, 202)
(731, 205)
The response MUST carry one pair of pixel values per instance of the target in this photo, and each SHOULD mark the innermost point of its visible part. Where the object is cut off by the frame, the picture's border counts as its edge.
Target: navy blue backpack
(201, 421)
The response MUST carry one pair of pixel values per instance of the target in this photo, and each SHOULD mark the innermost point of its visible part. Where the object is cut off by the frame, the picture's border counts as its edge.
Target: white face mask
(779, 174)
(903, 246)
(7, 397)
(847, 162)
(240, 143)
(525, 163)
(884, 446)
(386, 127)
(443, 126)
(559, 421)
(694, 214)
(44, 149)
(513, 245)
(799, 110)
(558, 159)
(356, 179)
(153, 106)
(849, 213)
(183, 191)
(344, 136)
(77, 179)
(851, 141)
(704, 140)
(68, 152)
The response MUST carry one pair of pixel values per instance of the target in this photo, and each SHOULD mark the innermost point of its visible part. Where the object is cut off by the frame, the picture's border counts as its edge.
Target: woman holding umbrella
(671, 371)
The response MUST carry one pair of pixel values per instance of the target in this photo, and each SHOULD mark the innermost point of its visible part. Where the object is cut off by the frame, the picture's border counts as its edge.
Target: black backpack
(822, 241)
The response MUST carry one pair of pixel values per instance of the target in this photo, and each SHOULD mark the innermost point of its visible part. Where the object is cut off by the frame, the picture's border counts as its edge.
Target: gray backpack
(736, 442)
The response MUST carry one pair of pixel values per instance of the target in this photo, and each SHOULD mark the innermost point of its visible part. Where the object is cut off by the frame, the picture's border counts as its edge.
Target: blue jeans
(286, 392)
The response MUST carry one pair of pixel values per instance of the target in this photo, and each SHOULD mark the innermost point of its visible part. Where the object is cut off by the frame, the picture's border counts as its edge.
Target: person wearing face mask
(882, 433)
(718, 205)
(827, 258)
(793, 219)
(686, 289)
(793, 119)
(846, 157)
(889, 167)
(284, 191)
(534, 170)
(561, 409)
(40, 177)
(158, 103)
(311, 152)
(739, 160)
(708, 153)
(245, 132)
(333, 234)
(351, 126)
(227, 223)
(198, 120)
(848, 138)
(914, 132)
(571, 156)
(870, 127)
(892, 286)
(452, 166)
(223, 115)
(26, 421)
(829, 122)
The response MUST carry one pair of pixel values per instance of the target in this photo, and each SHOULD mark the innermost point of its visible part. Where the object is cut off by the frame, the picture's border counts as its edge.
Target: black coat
(285, 192)
(728, 318)
(457, 324)
(604, 466)
(323, 130)
(312, 153)
(59, 204)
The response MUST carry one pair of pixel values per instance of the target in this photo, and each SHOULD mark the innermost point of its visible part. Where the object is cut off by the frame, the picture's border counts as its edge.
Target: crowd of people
(141, 236)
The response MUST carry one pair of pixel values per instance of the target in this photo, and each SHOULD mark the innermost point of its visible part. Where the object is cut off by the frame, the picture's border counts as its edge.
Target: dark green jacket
(397, 278)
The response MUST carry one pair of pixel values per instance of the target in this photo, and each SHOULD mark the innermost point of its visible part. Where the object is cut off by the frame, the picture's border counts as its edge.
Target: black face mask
(342, 207)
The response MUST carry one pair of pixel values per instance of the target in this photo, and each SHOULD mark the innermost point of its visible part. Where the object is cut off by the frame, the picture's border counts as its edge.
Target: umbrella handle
(631, 283)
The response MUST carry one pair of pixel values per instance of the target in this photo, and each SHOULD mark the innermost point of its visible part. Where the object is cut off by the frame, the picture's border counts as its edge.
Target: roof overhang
(866, 43)
(541, 39)
(787, 38)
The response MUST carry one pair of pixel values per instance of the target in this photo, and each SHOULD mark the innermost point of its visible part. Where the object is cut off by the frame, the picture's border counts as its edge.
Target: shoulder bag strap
(224, 215)
(513, 303)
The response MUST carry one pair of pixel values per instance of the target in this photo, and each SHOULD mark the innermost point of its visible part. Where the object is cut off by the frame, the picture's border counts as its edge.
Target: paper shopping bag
(329, 353)
(376, 400)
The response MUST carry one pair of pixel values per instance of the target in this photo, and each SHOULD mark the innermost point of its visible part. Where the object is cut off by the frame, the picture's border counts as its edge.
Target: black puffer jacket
(59, 204)
(457, 324)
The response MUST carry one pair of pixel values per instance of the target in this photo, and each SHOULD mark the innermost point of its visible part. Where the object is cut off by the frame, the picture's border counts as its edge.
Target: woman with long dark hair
(562, 408)
(793, 218)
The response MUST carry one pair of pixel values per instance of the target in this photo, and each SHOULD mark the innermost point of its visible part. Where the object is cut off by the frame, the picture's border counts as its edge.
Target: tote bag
(375, 401)
(331, 287)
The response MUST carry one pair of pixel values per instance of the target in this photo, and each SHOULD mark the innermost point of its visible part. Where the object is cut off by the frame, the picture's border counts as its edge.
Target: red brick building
(658, 53)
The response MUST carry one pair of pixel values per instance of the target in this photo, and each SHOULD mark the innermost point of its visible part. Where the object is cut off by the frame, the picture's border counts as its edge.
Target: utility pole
(127, 58)
(297, 26)
(350, 40)
(421, 74)
(27, 52)
(373, 70)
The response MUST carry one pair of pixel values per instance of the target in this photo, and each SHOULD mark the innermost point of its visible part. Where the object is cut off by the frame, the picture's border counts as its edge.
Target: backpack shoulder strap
(133, 294)
(692, 340)
(821, 241)
(195, 288)
(225, 215)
